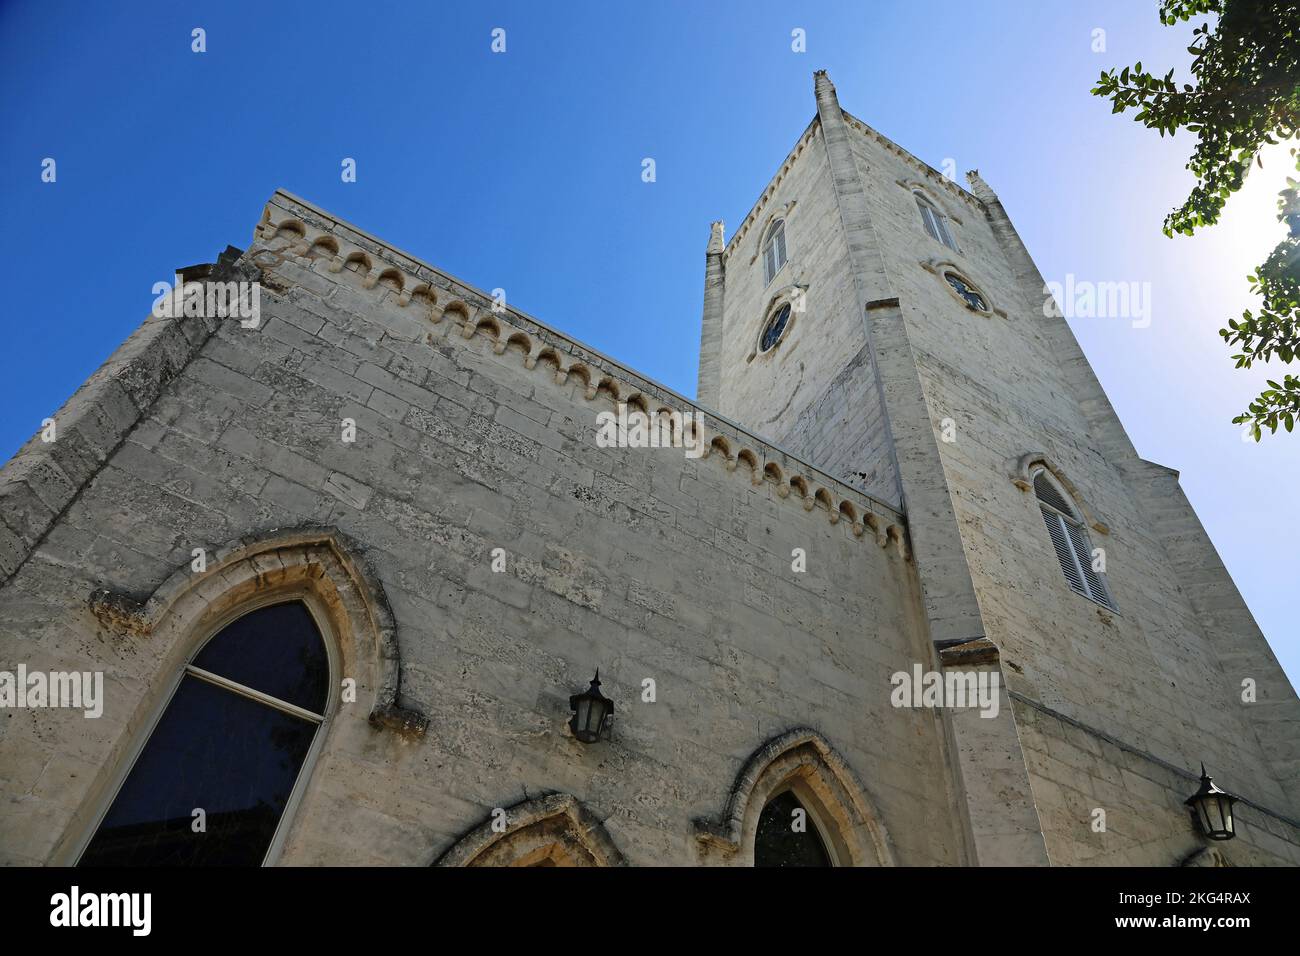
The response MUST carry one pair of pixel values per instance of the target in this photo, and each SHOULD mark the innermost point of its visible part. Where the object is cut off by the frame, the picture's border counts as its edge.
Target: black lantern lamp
(1212, 808)
(591, 710)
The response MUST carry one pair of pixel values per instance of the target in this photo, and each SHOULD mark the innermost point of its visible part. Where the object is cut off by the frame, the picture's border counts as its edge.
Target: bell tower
(888, 325)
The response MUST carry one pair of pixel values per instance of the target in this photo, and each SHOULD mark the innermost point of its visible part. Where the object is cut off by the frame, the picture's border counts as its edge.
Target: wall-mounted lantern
(1212, 808)
(591, 711)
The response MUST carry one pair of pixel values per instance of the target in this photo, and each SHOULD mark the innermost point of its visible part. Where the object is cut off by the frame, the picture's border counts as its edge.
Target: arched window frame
(317, 562)
(773, 251)
(934, 222)
(1073, 528)
(803, 760)
(195, 644)
(555, 827)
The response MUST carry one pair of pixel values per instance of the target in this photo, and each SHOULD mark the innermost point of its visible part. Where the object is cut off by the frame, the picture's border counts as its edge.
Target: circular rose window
(967, 292)
(775, 329)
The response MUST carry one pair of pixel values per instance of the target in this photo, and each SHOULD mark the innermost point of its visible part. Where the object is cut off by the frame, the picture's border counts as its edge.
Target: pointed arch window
(774, 251)
(225, 759)
(935, 222)
(788, 836)
(1070, 540)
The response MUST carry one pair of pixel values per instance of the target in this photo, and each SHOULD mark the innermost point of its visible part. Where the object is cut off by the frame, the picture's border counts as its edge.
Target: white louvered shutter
(927, 219)
(1070, 541)
(1064, 549)
(944, 235)
(1083, 551)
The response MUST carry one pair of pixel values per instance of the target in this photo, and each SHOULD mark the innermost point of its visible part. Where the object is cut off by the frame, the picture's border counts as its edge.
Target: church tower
(873, 316)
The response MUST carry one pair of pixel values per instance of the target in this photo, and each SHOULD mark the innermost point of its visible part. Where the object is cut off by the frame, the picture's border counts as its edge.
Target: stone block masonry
(421, 469)
(475, 431)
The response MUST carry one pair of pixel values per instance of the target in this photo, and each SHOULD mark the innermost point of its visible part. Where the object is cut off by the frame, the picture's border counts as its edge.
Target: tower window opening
(1070, 541)
(936, 223)
(774, 251)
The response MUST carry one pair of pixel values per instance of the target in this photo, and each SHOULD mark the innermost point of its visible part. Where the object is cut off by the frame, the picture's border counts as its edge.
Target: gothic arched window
(935, 222)
(223, 761)
(1070, 540)
(774, 251)
(787, 835)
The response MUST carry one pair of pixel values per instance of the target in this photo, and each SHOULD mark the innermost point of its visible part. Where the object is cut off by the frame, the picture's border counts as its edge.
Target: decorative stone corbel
(895, 533)
(120, 614)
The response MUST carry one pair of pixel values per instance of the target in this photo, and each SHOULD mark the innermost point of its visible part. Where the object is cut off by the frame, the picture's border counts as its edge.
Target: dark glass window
(218, 749)
(973, 298)
(778, 843)
(775, 327)
(276, 650)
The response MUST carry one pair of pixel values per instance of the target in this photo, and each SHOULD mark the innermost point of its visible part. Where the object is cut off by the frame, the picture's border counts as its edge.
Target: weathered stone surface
(477, 555)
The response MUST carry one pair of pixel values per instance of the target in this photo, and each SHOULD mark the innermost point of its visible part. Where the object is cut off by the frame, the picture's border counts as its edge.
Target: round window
(964, 289)
(775, 329)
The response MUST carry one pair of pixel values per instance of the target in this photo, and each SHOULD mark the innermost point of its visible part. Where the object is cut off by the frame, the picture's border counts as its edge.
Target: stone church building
(331, 574)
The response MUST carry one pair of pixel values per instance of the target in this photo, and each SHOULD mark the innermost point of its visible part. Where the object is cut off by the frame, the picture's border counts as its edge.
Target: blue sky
(522, 171)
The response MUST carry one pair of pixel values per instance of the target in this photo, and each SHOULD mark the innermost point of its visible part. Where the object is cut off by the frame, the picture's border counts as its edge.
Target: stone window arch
(317, 567)
(554, 830)
(803, 764)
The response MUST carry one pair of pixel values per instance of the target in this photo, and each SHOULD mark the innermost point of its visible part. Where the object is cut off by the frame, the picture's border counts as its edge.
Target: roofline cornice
(296, 213)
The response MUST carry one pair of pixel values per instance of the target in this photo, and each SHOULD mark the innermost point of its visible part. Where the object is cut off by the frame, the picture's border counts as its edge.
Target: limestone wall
(473, 431)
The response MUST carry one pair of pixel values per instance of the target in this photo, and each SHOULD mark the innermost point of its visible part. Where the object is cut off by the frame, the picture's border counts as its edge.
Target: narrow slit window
(935, 222)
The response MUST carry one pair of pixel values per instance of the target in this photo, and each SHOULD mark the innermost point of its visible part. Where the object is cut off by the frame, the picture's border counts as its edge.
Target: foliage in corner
(1246, 96)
